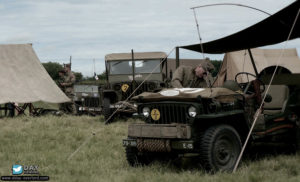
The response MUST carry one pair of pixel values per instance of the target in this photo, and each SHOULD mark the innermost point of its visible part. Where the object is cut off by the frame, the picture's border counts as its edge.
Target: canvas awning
(272, 30)
(136, 55)
(23, 78)
(239, 61)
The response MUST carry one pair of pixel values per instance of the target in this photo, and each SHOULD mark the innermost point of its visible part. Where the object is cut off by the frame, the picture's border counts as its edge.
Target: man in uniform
(67, 80)
(189, 77)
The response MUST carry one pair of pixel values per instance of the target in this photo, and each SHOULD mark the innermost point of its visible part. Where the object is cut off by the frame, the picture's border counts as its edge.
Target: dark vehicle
(125, 73)
(213, 123)
(87, 99)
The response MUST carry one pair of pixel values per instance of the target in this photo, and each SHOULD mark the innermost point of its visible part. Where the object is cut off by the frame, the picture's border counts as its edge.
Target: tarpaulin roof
(239, 61)
(23, 78)
(136, 55)
(272, 30)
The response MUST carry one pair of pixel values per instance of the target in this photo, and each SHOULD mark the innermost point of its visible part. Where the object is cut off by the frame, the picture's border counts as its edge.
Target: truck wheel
(107, 111)
(298, 136)
(134, 159)
(220, 147)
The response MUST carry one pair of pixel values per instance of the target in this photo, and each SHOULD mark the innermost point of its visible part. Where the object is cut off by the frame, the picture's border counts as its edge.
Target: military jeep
(125, 72)
(87, 99)
(212, 123)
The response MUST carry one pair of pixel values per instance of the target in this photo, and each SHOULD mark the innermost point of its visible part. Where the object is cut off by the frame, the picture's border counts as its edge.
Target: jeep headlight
(192, 111)
(146, 111)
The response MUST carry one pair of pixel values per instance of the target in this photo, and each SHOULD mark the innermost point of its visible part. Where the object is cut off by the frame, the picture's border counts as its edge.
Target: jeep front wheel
(298, 136)
(220, 147)
(107, 111)
(134, 159)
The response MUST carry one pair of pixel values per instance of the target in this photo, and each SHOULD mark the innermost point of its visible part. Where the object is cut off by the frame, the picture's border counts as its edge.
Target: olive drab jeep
(125, 74)
(87, 99)
(212, 122)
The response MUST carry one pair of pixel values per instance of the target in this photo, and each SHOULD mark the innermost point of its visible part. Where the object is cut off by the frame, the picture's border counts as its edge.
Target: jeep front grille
(170, 113)
(91, 102)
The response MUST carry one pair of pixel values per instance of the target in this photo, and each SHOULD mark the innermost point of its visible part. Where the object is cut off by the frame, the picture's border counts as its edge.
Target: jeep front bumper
(159, 145)
(159, 137)
(166, 131)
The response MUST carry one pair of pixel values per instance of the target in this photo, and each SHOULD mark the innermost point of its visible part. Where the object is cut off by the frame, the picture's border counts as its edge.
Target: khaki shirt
(69, 80)
(184, 77)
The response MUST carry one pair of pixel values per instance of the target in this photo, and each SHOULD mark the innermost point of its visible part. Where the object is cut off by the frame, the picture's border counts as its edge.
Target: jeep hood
(187, 94)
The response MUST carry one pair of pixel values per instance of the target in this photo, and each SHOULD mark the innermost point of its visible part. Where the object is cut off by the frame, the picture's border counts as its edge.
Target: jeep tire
(135, 159)
(107, 111)
(298, 136)
(220, 146)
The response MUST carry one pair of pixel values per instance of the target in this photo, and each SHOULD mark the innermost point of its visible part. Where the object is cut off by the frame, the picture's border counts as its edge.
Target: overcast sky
(90, 29)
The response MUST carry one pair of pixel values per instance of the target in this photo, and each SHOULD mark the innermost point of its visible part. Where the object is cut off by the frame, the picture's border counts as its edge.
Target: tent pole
(177, 57)
(133, 65)
(253, 63)
(166, 63)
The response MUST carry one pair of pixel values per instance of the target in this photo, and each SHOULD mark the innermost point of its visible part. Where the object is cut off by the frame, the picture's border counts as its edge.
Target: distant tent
(239, 61)
(23, 79)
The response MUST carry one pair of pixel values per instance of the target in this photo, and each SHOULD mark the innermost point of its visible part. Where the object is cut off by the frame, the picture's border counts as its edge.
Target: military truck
(87, 99)
(125, 72)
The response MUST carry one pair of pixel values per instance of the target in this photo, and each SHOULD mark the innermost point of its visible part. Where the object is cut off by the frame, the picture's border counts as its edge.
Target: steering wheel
(241, 85)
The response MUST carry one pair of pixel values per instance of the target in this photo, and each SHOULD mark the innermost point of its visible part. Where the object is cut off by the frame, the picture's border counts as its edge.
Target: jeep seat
(280, 95)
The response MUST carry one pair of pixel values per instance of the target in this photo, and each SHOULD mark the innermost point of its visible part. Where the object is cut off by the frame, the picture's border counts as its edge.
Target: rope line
(260, 107)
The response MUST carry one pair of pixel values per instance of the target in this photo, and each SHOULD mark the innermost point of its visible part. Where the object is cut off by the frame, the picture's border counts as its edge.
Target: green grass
(48, 142)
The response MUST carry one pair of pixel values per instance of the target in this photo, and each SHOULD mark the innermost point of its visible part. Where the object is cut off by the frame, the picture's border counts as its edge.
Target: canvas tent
(23, 79)
(239, 61)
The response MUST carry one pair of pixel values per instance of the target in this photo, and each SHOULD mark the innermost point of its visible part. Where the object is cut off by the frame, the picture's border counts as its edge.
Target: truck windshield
(147, 66)
(141, 66)
(120, 67)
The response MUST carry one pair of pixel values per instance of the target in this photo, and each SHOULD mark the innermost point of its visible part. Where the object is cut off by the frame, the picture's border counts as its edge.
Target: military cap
(62, 71)
(67, 65)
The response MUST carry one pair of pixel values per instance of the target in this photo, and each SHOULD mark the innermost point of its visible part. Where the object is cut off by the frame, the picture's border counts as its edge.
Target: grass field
(48, 142)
